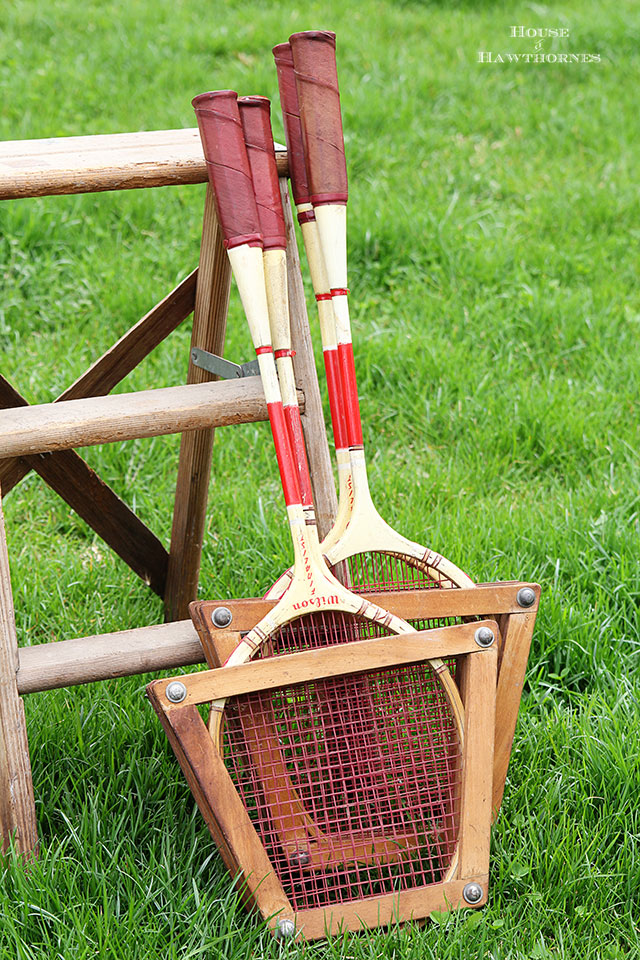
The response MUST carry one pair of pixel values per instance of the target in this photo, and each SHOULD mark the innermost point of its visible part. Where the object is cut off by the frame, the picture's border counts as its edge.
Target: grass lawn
(493, 237)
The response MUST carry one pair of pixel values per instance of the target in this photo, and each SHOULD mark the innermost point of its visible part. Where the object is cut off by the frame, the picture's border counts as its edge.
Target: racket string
(376, 572)
(351, 782)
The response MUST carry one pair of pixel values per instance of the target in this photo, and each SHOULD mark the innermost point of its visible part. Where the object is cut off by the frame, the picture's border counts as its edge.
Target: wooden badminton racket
(379, 557)
(316, 611)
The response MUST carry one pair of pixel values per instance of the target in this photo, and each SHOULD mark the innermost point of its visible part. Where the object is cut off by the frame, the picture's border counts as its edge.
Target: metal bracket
(221, 367)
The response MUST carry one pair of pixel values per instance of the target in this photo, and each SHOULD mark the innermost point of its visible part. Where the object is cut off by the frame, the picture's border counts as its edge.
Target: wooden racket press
(42, 438)
(303, 878)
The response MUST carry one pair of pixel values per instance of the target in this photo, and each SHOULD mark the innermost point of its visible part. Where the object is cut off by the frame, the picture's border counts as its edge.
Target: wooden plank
(117, 161)
(194, 465)
(98, 505)
(515, 653)
(477, 678)
(340, 660)
(79, 423)
(125, 653)
(118, 361)
(17, 807)
(385, 909)
(313, 425)
(484, 600)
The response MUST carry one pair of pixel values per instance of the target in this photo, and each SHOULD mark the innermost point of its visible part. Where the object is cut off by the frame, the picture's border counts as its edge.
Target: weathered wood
(384, 910)
(477, 679)
(98, 505)
(515, 653)
(117, 362)
(17, 807)
(117, 161)
(125, 653)
(194, 465)
(483, 600)
(149, 413)
(313, 425)
(340, 660)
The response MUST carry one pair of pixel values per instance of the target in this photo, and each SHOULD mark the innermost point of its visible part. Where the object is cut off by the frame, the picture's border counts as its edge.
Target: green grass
(492, 241)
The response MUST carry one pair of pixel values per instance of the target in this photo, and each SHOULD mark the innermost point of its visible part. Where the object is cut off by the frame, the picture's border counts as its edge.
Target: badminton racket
(379, 557)
(317, 610)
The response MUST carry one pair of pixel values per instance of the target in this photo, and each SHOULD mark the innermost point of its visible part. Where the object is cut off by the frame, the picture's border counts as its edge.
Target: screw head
(484, 636)
(300, 857)
(221, 617)
(526, 597)
(473, 892)
(284, 929)
(176, 691)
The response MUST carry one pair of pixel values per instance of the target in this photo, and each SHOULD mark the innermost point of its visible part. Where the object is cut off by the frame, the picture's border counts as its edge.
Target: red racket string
(367, 803)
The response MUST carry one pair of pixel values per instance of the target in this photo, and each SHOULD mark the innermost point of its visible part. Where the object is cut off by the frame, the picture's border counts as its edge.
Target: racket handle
(255, 116)
(314, 58)
(228, 167)
(292, 126)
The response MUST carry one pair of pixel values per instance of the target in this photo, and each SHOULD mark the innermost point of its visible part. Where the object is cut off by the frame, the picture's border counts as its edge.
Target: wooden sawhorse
(42, 437)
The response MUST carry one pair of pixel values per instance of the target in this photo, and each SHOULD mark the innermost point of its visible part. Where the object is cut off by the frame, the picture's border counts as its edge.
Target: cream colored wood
(332, 229)
(366, 530)
(275, 275)
(248, 271)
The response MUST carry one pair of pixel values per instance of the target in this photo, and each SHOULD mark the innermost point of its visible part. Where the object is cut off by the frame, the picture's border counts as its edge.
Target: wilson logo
(316, 602)
(350, 489)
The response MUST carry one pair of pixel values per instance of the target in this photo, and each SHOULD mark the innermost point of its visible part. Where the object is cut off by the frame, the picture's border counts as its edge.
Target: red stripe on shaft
(350, 393)
(323, 296)
(266, 349)
(296, 436)
(336, 405)
(286, 464)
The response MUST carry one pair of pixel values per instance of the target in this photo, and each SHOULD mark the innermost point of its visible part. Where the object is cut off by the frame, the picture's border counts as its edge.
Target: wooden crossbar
(116, 161)
(44, 427)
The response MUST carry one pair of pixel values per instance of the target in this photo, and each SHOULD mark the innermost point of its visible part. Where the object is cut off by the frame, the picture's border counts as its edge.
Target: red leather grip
(314, 59)
(228, 166)
(292, 125)
(255, 116)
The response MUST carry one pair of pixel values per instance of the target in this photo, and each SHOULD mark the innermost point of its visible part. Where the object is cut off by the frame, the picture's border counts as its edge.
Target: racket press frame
(490, 684)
